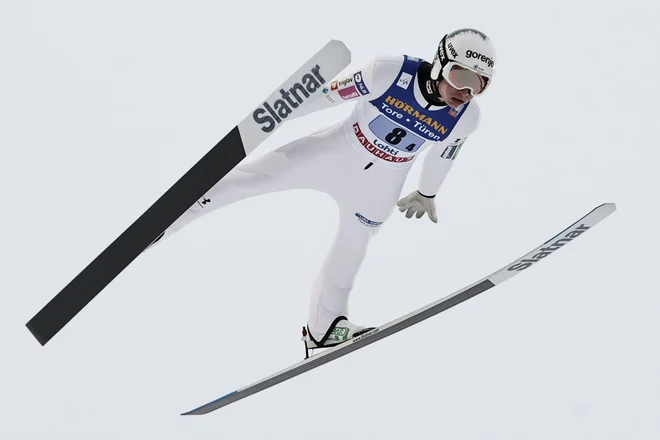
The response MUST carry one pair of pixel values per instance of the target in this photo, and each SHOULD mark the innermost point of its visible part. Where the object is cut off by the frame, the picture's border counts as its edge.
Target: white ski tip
(340, 49)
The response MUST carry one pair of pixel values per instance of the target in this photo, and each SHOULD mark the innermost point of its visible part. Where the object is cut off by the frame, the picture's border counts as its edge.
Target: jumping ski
(526, 261)
(304, 85)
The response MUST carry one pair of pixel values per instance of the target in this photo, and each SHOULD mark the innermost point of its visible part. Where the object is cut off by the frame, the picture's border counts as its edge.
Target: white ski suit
(362, 162)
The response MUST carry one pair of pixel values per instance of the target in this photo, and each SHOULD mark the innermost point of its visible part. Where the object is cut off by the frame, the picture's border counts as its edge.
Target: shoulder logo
(454, 112)
(404, 80)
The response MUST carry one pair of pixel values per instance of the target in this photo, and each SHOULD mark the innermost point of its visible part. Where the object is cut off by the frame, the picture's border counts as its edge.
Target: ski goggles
(460, 77)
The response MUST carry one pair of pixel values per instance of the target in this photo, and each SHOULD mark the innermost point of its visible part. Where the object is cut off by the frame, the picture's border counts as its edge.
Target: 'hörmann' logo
(544, 252)
(282, 108)
(480, 57)
(424, 119)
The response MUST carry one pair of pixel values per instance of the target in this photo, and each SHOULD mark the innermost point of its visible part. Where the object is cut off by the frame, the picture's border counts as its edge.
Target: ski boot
(340, 331)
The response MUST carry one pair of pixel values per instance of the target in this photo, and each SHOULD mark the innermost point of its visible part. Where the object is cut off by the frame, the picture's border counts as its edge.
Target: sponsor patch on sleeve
(326, 93)
(359, 82)
(348, 93)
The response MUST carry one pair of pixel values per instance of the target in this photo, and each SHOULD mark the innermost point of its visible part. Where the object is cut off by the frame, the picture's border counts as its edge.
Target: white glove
(415, 202)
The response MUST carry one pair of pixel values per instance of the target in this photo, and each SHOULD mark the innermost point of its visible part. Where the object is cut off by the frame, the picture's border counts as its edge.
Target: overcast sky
(105, 104)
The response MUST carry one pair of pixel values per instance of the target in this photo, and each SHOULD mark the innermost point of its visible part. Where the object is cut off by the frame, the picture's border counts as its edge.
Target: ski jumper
(362, 162)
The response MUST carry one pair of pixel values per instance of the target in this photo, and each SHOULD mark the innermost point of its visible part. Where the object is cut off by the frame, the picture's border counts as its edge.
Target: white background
(105, 104)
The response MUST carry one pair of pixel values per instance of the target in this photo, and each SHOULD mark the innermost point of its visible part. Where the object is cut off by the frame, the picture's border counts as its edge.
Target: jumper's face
(453, 97)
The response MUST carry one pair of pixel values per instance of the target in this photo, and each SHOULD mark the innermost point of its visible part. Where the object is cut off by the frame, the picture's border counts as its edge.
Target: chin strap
(429, 86)
(432, 90)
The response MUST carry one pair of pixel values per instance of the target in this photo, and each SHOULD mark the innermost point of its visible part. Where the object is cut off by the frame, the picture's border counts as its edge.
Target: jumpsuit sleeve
(351, 86)
(440, 157)
(436, 166)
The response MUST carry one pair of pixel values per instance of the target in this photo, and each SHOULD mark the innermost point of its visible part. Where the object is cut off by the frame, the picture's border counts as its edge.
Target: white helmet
(466, 59)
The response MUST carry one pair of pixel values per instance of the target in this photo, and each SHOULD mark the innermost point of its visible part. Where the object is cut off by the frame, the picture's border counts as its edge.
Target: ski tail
(528, 260)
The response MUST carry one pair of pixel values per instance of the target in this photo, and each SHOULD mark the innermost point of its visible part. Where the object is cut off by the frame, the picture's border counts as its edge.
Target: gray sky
(104, 105)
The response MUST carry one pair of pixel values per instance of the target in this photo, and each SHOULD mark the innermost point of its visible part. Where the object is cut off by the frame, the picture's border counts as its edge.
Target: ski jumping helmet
(465, 59)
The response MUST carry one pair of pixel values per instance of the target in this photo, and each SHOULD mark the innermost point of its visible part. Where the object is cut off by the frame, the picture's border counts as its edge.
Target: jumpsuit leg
(362, 215)
(292, 166)
(323, 162)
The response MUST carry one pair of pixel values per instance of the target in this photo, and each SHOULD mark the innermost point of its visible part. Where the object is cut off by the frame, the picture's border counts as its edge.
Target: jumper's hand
(417, 203)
